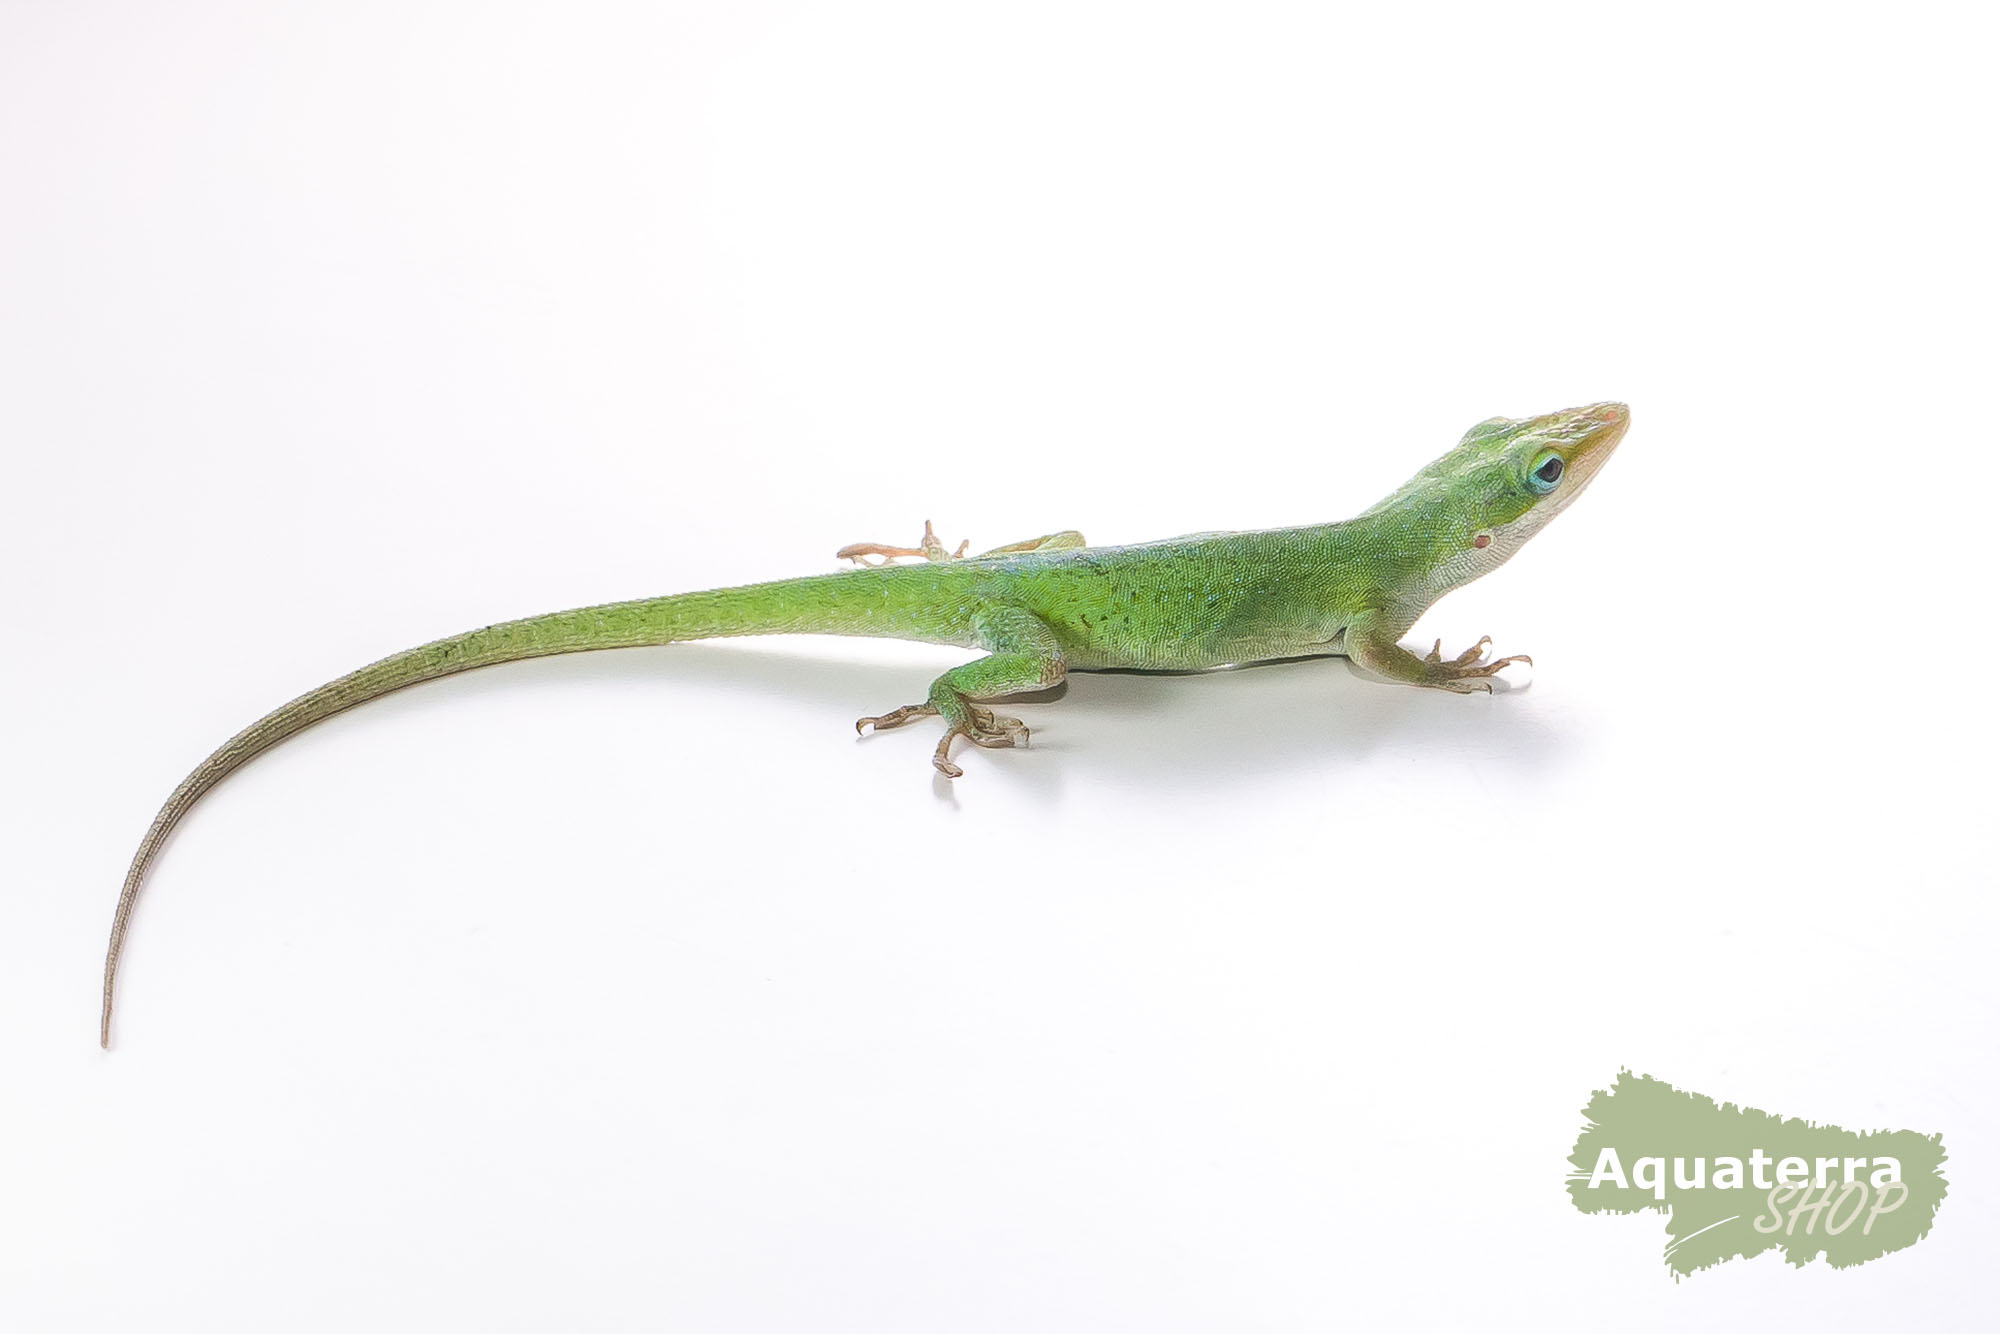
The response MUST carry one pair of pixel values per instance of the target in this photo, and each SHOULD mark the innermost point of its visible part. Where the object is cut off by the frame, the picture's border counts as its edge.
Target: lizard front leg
(1372, 646)
(1025, 656)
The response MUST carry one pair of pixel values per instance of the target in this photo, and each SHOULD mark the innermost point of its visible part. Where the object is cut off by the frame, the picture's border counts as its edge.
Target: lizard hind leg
(1067, 540)
(1025, 657)
(931, 548)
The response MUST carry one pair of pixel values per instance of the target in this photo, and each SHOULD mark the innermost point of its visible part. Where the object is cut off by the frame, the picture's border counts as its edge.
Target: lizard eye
(1548, 474)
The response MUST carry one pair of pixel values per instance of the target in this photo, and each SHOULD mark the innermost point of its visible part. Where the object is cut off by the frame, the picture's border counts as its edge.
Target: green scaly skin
(1051, 605)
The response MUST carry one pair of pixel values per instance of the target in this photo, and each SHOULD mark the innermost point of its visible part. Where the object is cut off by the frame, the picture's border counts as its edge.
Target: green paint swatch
(1734, 1181)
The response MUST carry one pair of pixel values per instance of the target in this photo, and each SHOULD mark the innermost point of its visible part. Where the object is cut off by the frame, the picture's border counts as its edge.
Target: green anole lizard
(1051, 605)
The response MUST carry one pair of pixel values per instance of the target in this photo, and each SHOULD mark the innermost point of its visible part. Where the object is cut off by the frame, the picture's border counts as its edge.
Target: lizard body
(1050, 605)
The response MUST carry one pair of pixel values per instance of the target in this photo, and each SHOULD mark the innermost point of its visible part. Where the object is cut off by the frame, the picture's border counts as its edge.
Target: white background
(631, 991)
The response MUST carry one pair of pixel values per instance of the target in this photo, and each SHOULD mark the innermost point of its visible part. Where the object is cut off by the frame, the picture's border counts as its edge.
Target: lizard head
(1524, 473)
(1505, 479)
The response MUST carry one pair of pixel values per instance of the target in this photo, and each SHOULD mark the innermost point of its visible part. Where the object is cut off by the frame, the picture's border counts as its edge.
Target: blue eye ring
(1548, 472)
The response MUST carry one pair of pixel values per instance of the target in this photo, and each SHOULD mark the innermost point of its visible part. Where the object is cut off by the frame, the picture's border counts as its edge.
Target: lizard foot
(1026, 656)
(982, 728)
(995, 732)
(1465, 673)
(931, 549)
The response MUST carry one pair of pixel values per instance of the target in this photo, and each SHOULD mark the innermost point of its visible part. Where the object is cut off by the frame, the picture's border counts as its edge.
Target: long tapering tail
(898, 602)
